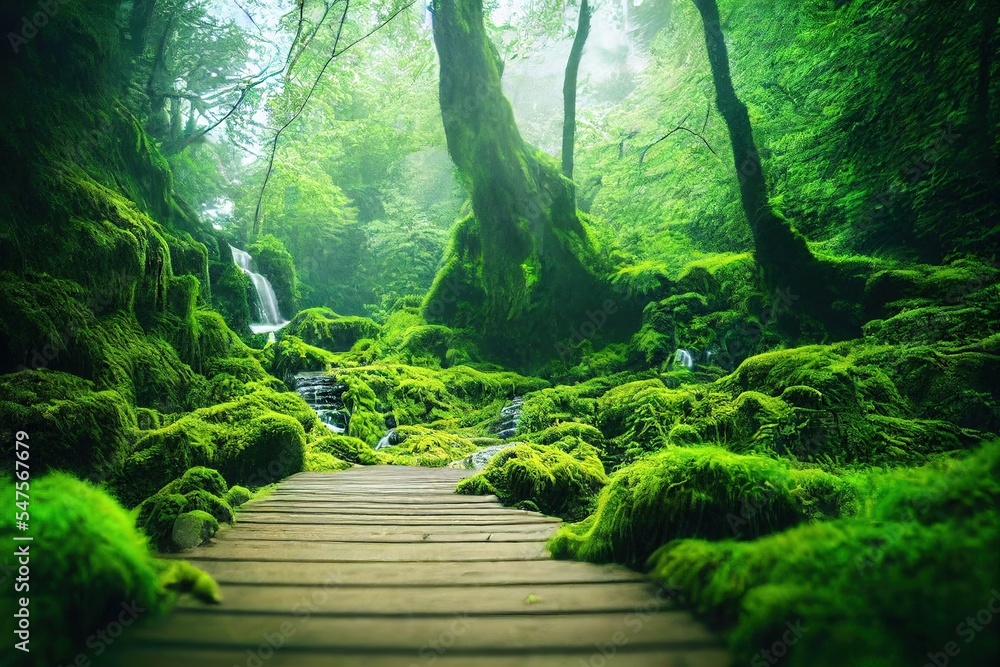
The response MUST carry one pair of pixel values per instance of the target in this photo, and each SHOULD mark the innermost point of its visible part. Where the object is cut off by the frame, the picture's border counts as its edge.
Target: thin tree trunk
(781, 252)
(569, 89)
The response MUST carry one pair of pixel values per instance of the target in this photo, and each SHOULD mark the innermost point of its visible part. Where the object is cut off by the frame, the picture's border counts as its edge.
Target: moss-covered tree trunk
(569, 88)
(521, 269)
(780, 250)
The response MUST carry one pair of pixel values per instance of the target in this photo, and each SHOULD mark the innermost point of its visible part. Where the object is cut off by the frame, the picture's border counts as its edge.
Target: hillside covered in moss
(745, 341)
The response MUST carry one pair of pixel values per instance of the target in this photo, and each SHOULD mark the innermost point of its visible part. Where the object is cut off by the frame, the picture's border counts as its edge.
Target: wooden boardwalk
(387, 567)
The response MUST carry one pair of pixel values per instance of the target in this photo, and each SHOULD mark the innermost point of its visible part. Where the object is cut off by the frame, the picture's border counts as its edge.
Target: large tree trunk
(521, 270)
(780, 250)
(569, 89)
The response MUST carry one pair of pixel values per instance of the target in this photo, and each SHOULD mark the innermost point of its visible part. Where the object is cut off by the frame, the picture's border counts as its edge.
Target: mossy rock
(585, 432)
(317, 461)
(426, 447)
(193, 529)
(95, 564)
(934, 523)
(323, 328)
(156, 516)
(212, 504)
(682, 492)
(346, 448)
(554, 481)
(79, 428)
(251, 440)
(200, 478)
(237, 495)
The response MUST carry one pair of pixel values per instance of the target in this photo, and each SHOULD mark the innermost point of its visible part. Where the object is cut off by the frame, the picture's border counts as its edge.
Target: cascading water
(510, 419)
(269, 317)
(684, 358)
(324, 395)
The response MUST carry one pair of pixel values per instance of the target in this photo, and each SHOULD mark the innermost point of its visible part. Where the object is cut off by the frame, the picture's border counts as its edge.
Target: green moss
(156, 516)
(323, 328)
(293, 356)
(682, 492)
(93, 565)
(78, 428)
(422, 446)
(275, 262)
(182, 576)
(210, 504)
(237, 495)
(555, 433)
(251, 440)
(554, 481)
(884, 587)
(200, 478)
(318, 461)
(192, 529)
(347, 448)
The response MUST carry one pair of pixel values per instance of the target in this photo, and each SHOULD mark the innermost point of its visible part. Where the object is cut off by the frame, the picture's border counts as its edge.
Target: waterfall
(269, 317)
(684, 358)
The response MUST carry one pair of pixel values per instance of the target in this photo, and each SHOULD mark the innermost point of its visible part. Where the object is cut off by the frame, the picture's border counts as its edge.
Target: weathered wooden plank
(471, 573)
(265, 529)
(403, 499)
(390, 510)
(312, 534)
(439, 600)
(320, 505)
(340, 552)
(456, 520)
(438, 656)
(466, 632)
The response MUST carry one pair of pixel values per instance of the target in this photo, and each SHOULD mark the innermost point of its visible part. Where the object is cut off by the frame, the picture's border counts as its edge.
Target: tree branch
(679, 128)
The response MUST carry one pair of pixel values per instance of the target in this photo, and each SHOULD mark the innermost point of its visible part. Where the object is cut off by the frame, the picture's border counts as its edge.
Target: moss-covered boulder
(325, 329)
(247, 440)
(95, 567)
(554, 481)
(682, 492)
(237, 495)
(192, 529)
(73, 426)
(422, 446)
(860, 587)
(346, 448)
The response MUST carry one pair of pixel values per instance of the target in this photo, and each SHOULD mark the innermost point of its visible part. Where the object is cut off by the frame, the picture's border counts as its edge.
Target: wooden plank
(263, 654)
(376, 530)
(437, 600)
(389, 520)
(477, 633)
(340, 552)
(407, 499)
(470, 573)
(318, 504)
(388, 511)
(313, 535)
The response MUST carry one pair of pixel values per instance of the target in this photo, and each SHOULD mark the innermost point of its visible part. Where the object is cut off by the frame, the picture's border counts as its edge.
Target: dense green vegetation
(754, 336)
